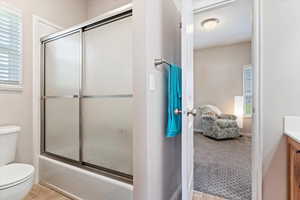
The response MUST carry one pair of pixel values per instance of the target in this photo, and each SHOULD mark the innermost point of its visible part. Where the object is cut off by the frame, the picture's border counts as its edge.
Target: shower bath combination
(86, 96)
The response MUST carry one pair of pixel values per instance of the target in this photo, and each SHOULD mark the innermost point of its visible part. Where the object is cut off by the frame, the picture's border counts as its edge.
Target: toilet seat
(14, 174)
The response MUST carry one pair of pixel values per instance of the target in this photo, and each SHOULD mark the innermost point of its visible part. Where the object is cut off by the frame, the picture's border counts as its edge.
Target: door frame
(36, 75)
(187, 140)
(257, 140)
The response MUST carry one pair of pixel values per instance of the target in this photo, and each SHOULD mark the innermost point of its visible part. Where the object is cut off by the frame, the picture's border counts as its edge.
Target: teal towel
(174, 101)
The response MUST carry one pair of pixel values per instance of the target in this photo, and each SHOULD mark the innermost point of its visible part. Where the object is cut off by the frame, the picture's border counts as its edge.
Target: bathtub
(81, 184)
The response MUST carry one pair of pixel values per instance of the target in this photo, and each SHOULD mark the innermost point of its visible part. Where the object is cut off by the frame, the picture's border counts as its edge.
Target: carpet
(223, 168)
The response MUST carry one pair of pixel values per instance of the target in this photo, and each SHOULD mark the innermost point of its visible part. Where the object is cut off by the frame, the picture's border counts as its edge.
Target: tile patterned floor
(39, 192)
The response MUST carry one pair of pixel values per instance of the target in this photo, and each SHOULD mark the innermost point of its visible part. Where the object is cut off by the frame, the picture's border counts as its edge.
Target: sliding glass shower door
(61, 84)
(88, 96)
(107, 96)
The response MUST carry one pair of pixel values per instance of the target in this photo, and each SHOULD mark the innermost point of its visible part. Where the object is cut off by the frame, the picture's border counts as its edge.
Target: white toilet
(15, 179)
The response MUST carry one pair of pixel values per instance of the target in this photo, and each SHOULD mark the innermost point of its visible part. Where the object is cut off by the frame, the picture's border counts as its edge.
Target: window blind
(10, 47)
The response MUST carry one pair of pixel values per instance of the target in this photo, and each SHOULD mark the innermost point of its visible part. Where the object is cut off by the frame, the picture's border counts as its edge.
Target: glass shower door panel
(62, 66)
(62, 79)
(62, 127)
(107, 128)
(108, 59)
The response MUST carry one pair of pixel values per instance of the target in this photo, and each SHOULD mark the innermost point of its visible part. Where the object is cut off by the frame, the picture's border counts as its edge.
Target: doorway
(242, 147)
(223, 93)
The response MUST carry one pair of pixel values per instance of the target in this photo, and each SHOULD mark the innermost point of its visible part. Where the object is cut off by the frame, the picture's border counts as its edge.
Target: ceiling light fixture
(210, 24)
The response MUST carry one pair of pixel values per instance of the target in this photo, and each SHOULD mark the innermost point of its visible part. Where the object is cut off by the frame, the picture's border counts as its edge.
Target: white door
(41, 27)
(187, 100)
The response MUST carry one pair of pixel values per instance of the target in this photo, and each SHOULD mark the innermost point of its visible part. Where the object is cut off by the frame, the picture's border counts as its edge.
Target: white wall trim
(210, 4)
(36, 20)
(187, 136)
(15, 88)
(257, 144)
(177, 193)
(178, 4)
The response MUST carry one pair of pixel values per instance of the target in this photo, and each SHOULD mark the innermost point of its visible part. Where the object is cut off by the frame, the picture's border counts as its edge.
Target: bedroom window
(10, 49)
(248, 90)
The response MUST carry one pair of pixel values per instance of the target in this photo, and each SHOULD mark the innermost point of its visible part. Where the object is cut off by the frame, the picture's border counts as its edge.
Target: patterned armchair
(216, 125)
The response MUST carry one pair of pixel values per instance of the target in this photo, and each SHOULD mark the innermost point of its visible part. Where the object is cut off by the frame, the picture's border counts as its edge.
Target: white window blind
(10, 47)
(248, 91)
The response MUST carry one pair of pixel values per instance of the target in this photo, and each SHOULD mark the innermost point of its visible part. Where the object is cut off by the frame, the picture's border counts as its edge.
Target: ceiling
(235, 24)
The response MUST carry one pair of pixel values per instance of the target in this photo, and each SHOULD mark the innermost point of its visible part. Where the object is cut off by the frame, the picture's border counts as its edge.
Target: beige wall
(16, 107)
(280, 88)
(218, 75)
(96, 7)
(157, 159)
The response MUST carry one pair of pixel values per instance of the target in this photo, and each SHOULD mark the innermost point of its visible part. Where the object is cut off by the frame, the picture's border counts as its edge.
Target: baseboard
(246, 134)
(177, 194)
(197, 130)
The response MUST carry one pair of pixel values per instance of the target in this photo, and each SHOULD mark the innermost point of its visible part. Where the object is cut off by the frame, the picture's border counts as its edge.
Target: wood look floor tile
(39, 192)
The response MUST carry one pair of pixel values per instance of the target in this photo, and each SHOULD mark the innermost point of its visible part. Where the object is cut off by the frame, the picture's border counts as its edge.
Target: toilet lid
(14, 174)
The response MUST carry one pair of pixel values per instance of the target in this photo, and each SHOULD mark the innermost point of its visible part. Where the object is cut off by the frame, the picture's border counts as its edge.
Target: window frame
(19, 86)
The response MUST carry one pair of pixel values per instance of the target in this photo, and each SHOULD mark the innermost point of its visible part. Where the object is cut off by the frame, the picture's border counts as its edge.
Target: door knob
(192, 112)
(177, 111)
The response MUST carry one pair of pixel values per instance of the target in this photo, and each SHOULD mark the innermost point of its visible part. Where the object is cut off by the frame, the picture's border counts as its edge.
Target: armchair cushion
(209, 116)
(226, 123)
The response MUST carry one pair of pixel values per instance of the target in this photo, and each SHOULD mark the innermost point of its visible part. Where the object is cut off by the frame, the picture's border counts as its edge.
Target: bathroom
(140, 163)
(73, 126)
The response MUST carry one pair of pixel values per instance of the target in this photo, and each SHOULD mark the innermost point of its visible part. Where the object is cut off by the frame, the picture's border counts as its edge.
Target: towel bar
(158, 62)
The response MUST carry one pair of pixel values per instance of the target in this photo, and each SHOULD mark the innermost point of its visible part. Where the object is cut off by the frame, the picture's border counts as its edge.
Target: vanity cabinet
(294, 169)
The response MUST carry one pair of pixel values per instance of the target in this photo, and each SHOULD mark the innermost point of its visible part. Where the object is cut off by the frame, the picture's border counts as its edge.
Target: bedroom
(223, 96)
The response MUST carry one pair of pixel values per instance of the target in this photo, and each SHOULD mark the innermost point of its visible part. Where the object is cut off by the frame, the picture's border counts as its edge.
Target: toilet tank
(8, 143)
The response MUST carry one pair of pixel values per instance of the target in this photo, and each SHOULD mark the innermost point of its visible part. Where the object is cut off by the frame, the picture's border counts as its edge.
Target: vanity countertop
(292, 127)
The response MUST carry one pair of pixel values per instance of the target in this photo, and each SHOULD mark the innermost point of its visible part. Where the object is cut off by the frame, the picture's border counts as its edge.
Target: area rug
(223, 168)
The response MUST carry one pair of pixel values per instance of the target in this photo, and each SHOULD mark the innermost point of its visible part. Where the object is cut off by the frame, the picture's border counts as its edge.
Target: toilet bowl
(15, 181)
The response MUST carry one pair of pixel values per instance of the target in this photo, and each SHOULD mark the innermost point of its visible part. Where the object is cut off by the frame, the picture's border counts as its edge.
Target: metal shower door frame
(107, 18)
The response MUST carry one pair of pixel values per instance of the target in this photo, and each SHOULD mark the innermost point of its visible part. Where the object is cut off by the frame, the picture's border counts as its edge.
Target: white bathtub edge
(119, 183)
